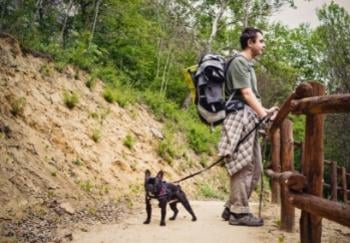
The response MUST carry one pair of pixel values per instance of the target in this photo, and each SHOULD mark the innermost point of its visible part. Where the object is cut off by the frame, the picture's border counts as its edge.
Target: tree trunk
(246, 13)
(214, 27)
(65, 21)
(97, 7)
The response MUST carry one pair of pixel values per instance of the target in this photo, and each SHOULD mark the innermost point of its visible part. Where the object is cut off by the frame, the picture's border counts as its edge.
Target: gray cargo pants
(243, 183)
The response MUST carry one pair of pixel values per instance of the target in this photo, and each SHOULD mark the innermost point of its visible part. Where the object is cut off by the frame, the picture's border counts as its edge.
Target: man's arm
(253, 102)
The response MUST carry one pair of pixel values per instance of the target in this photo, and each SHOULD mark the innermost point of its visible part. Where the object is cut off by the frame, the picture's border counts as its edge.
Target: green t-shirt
(240, 74)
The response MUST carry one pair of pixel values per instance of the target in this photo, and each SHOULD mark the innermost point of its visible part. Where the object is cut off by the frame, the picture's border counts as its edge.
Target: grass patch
(86, 185)
(129, 141)
(77, 162)
(70, 99)
(17, 106)
(96, 135)
(207, 191)
(122, 95)
(91, 83)
(60, 66)
(198, 135)
(46, 70)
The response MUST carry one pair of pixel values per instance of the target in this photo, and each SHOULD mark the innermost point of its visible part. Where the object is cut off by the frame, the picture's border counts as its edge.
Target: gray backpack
(209, 81)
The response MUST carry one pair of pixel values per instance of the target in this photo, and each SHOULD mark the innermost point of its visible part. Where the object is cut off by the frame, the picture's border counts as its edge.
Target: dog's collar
(162, 192)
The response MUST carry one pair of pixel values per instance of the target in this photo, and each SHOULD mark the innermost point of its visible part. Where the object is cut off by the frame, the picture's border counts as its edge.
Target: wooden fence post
(311, 225)
(344, 184)
(334, 183)
(276, 166)
(287, 158)
(302, 151)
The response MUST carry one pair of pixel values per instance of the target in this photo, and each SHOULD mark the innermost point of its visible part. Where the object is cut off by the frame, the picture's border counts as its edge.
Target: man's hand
(273, 110)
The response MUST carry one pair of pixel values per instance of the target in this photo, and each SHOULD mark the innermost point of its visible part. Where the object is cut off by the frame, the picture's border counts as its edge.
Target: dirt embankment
(75, 159)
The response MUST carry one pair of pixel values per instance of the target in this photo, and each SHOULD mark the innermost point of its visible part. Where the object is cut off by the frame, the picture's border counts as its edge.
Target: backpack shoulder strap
(225, 71)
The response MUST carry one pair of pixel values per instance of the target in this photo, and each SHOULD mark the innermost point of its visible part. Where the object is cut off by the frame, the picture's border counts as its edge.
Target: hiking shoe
(225, 214)
(245, 220)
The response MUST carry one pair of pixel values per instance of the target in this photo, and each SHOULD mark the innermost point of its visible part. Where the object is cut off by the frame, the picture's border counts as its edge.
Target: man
(244, 163)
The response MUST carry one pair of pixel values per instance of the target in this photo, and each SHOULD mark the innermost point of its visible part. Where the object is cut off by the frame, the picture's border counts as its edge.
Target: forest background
(140, 49)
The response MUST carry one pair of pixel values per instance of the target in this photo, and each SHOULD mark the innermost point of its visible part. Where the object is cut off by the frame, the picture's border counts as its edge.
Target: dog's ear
(147, 174)
(160, 174)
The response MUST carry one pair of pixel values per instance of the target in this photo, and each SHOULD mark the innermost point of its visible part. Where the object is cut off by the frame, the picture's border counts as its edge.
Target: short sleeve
(239, 72)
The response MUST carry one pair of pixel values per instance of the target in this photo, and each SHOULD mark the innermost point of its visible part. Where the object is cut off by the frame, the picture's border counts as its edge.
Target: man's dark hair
(249, 33)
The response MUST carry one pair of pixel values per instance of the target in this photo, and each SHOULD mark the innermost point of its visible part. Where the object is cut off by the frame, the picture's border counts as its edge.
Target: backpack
(209, 81)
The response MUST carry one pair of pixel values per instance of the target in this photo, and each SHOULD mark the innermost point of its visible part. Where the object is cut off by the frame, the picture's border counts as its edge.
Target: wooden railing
(335, 173)
(304, 189)
(338, 179)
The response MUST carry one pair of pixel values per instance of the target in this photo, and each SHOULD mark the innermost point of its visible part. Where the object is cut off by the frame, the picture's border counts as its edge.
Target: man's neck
(247, 54)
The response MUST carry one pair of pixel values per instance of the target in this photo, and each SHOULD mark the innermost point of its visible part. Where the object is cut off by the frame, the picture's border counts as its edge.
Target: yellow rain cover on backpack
(188, 72)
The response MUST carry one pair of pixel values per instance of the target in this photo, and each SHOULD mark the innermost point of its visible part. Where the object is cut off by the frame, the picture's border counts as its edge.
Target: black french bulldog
(165, 192)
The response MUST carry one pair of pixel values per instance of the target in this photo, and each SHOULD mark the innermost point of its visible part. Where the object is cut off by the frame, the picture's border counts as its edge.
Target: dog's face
(153, 185)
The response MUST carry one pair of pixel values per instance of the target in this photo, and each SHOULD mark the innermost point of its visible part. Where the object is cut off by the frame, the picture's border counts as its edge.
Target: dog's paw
(147, 222)
(162, 223)
(194, 219)
(172, 218)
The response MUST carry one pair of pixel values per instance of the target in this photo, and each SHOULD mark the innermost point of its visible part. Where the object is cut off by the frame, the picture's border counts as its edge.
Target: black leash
(199, 172)
(222, 158)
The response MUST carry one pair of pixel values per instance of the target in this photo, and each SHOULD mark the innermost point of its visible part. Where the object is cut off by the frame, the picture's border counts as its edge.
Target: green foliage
(169, 147)
(77, 162)
(70, 99)
(17, 106)
(198, 135)
(123, 95)
(90, 83)
(46, 70)
(86, 185)
(299, 124)
(207, 191)
(201, 139)
(334, 33)
(129, 141)
(96, 135)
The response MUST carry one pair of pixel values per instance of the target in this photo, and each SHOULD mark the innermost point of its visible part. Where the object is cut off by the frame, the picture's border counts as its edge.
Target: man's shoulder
(240, 62)
(239, 59)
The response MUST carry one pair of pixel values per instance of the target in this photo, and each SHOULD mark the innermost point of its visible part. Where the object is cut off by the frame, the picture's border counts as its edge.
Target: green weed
(60, 66)
(17, 106)
(77, 162)
(207, 191)
(71, 99)
(91, 83)
(108, 95)
(96, 135)
(86, 185)
(129, 141)
(46, 70)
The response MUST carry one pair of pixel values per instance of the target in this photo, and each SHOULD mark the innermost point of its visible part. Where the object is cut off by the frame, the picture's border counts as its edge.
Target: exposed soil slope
(47, 150)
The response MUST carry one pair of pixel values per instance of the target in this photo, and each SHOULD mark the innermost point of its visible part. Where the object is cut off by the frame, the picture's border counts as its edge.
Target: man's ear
(160, 174)
(250, 42)
(147, 174)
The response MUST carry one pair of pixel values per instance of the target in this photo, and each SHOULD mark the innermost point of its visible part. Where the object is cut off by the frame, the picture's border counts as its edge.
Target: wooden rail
(305, 190)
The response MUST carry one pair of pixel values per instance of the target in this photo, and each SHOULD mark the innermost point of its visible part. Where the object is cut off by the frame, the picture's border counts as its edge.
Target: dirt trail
(208, 229)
